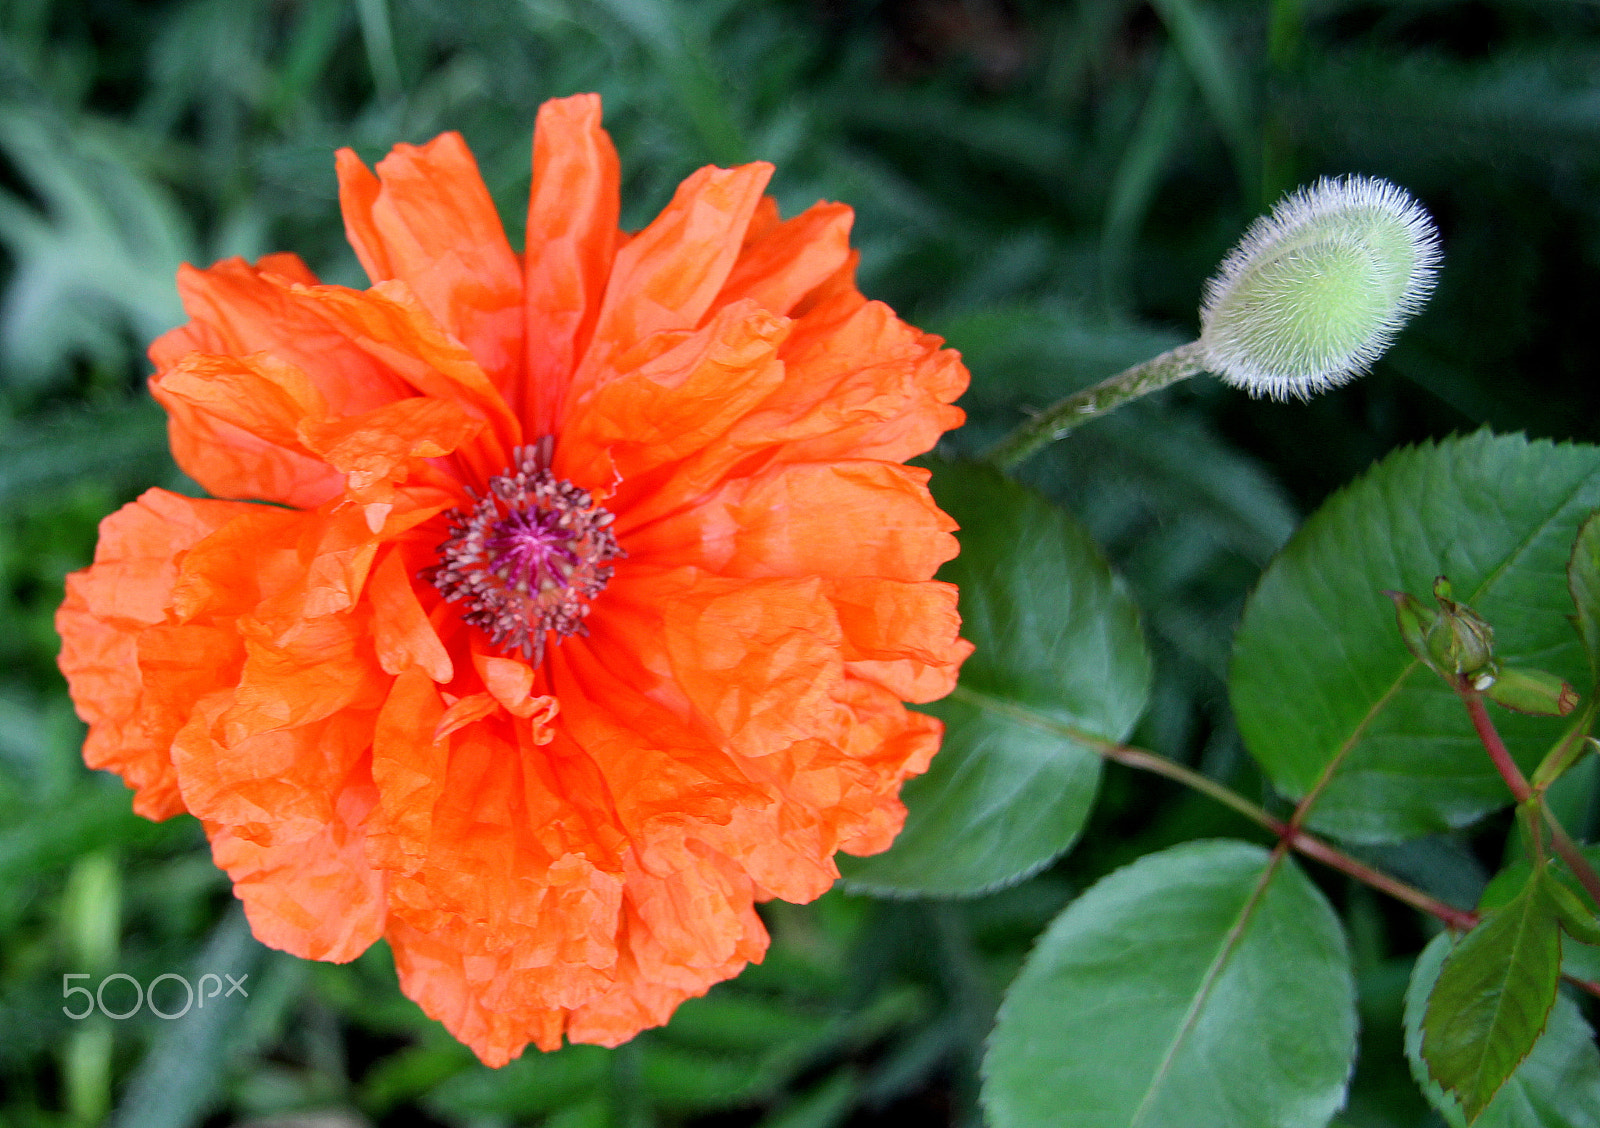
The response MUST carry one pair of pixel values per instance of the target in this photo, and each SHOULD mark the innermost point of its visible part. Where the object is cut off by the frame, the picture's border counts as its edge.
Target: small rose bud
(1458, 640)
(1315, 292)
(1461, 642)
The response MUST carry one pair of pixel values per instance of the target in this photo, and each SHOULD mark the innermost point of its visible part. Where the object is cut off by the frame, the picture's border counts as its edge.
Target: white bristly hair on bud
(1315, 292)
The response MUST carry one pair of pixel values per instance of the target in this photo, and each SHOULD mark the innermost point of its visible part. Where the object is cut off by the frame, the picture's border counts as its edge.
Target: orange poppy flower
(586, 605)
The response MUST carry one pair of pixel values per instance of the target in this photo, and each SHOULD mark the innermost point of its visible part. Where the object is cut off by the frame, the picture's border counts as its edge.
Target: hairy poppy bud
(1315, 292)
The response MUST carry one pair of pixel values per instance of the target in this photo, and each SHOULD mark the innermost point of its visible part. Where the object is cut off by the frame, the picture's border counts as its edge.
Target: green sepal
(1576, 919)
(1534, 692)
(1414, 619)
(1574, 744)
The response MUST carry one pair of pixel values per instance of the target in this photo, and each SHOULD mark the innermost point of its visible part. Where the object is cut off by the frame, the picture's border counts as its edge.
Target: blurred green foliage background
(1047, 184)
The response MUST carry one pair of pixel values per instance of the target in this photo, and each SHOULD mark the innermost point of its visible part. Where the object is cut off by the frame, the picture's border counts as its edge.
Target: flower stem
(1462, 920)
(1586, 985)
(1288, 834)
(1525, 795)
(1057, 420)
(1568, 849)
(1504, 764)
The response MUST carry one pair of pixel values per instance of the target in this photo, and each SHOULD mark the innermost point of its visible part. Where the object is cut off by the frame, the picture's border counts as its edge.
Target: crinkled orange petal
(286, 264)
(674, 402)
(690, 923)
(791, 259)
(510, 682)
(860, 384)
(333, 551)
(493, 824)
(236, 420)
(379, 450)
(761, 664)
(401, 632)
(758, 660)
(449, 983)
(648, 433)
(427, 219)
(316, 897)
(408, 762)
(560, 951)
(900, 635)
(237, 310)
(120, 605)
(231, 571)
(389, 325)
(889, 745)
(668, 275)
(259, 394)
(837, 791)
(475, 839)
(270, 784)
(657, 763)
(572, 236)
(843, 518)
(235, 423)
(488, 864)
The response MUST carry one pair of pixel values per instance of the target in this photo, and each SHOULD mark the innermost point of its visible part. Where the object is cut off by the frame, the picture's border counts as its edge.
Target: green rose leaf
(1583, 582)
(1580, 957)
(1327, 696)
(1205, 986)
(1059, 652)
(1556, 1086)
(1492, 997)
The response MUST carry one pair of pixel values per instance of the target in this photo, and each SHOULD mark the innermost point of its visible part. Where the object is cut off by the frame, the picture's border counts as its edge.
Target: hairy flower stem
(1059, 419)
(1525, 795)
(1288, 833)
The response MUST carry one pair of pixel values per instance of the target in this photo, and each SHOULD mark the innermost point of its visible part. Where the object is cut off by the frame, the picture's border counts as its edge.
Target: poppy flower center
(528, 556)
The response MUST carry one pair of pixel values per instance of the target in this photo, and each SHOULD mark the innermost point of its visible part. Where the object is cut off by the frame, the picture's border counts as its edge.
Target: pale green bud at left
(1315, 292)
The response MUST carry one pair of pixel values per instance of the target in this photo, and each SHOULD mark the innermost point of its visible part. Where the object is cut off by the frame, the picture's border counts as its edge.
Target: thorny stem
(1058, 419)
(1525, 795)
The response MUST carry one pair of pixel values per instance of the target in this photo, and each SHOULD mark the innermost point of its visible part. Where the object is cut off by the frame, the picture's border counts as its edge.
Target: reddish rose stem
(1462, 920)
(1504, 764)
(1291, 834)
(1586, 985)
(1523, 793)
